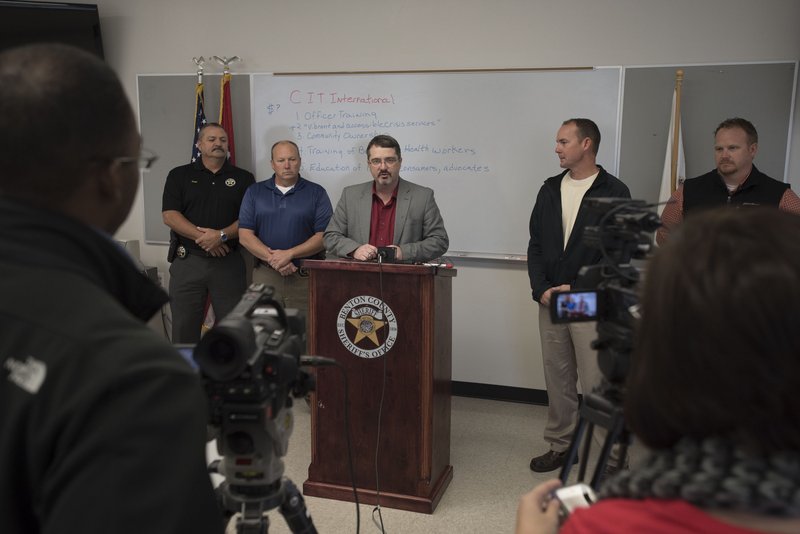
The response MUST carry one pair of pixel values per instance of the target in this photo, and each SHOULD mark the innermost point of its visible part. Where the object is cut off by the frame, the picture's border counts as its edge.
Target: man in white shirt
(556, 252)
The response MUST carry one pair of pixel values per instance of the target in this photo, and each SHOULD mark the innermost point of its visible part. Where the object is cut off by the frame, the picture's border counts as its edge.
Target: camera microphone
(316, 361)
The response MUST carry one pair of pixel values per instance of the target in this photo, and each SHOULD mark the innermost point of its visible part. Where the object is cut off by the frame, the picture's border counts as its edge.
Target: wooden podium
(389, 322)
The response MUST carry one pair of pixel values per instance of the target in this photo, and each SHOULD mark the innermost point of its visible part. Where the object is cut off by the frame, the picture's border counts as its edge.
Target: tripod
(253, 503)
(601, 408)
(252, 445)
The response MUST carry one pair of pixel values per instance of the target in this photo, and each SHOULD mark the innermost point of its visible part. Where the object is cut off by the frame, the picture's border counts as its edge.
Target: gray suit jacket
(418, 225)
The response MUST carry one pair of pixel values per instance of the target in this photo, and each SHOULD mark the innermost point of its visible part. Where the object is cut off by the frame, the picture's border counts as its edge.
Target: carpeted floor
(491, 446)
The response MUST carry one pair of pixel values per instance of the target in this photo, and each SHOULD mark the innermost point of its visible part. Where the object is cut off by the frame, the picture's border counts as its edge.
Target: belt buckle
(181, 252)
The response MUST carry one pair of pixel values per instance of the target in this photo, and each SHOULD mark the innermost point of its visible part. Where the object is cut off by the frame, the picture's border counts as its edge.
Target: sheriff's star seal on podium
(367, 327)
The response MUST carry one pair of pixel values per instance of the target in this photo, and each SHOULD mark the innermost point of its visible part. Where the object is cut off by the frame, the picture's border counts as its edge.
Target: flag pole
(676, 130)
(199, 107)
(199, 62)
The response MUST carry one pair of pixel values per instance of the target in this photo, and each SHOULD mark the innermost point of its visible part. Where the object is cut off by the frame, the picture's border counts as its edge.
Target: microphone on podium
(316, 361)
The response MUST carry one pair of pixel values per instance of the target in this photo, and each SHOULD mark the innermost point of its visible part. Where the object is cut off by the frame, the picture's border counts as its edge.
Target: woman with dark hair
(713, 390)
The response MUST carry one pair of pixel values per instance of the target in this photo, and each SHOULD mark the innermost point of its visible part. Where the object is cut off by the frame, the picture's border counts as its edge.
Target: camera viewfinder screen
(575, 306)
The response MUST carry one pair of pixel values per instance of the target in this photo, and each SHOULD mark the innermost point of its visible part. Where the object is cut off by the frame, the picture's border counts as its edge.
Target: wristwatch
(223, 236)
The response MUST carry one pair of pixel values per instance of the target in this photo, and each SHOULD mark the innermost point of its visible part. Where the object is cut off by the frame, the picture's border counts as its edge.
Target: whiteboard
(484, 141)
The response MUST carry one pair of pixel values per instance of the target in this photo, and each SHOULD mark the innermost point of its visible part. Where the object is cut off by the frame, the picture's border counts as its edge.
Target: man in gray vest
(735, 181)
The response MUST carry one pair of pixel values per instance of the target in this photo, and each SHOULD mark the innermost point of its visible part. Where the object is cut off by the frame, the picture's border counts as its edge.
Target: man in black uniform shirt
(201, 205)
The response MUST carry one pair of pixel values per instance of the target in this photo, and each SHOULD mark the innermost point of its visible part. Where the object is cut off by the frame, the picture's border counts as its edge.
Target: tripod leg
(612, 437)
(293, 510)
(572, 451)
(587, 449)
(251, 520)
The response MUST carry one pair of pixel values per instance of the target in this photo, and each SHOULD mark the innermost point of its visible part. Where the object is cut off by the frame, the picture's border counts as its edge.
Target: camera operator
(712, 390)
(102, 423)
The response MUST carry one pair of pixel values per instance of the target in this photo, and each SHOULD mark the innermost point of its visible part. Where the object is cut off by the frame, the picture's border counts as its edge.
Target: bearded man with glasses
(386, 212)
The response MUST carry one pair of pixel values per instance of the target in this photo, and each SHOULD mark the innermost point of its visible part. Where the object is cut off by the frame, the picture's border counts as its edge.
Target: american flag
(199, 119)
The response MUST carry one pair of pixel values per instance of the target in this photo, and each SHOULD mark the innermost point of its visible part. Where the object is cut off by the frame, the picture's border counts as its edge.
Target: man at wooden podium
(387, 212)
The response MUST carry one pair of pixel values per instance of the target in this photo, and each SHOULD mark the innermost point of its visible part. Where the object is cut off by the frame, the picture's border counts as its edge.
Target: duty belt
(182, 251)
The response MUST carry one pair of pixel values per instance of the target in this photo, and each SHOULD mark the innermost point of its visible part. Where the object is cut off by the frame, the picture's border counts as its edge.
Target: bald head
(61, 109)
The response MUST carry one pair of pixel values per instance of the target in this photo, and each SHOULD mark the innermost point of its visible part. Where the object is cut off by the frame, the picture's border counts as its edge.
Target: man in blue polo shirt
(281, 221)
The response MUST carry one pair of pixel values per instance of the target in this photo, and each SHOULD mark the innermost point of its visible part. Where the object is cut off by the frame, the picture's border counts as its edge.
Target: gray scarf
(714, 474)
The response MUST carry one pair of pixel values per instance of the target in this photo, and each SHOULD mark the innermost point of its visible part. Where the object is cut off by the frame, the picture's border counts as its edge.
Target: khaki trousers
(290, 291)
(568, 358)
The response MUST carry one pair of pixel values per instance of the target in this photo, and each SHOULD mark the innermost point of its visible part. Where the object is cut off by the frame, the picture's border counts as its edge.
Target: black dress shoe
(550, 461)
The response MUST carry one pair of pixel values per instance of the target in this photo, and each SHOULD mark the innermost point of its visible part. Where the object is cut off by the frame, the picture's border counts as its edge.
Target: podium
(392, 323)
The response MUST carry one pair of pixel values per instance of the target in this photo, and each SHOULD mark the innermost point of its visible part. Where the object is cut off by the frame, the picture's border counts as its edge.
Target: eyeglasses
(144, 160)
(376, 162)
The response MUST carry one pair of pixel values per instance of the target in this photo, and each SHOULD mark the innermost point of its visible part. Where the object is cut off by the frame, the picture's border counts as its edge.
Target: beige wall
(495, 337)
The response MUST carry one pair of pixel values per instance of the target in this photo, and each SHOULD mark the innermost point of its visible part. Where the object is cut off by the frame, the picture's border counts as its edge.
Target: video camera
(606, 293)
(250, 365)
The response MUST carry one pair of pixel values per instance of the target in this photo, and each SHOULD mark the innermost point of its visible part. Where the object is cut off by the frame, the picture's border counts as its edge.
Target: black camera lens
(224, 351)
